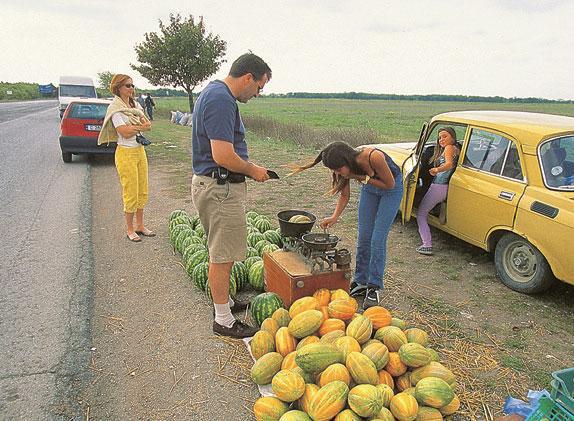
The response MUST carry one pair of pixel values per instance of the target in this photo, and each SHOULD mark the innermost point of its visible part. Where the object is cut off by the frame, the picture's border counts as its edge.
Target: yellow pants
(131, 164)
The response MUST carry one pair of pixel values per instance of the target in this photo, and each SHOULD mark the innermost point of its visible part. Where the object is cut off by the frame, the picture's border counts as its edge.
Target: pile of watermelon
(188, 238)
(325, 361)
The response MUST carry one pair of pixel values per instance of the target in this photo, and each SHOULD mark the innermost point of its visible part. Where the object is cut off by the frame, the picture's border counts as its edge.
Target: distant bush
(307, 136)
(20, 91)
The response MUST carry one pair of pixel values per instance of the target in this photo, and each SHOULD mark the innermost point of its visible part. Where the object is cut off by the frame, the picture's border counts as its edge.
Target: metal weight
(300, 284)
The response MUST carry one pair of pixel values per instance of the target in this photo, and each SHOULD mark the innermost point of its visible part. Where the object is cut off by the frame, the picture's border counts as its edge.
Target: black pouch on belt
(226, 176)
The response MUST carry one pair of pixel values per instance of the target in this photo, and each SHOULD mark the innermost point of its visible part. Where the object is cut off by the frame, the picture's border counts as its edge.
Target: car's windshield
(88, 111)
(557, 162)
(77, 91)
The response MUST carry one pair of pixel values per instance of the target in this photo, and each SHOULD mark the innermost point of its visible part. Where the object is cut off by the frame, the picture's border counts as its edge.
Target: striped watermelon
(190, 250)
(254, 237)
(259, 246)
(239, 271)
(249, 262)
(269, 248)
(199, 275)
(195, 221)
(175, 232)
(195, 259)
(181, 237)
(273, 237)
(200, 231)
(251, 252)
(256, 276)
(174, 214)
(262, 224)
(185, 243)
(251, 215)
(180, 220)
(264, 305)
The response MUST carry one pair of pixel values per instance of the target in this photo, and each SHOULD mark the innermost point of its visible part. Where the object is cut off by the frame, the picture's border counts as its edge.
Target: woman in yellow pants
(124, 120)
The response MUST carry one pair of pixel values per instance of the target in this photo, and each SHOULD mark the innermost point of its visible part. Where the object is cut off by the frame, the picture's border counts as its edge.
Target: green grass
(392, 120)
(512, 362)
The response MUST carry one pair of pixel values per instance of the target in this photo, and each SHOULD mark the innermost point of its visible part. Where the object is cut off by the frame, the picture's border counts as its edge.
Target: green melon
(269, 248)
(249, 262)
(239, 271)
(273, 237)
(316, 357)
(256, 276)
(200, 231)
(251, 215)
(195, 259)
(251, 252)
(200, 275)
(181, 237)
(259, 246)
(195, 221)
(262, 224)
(190, 250)
(254, 237)
(264, 305)
(174, 214)
(175, 232)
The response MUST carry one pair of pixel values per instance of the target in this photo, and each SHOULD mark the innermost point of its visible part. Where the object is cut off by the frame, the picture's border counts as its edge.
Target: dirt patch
(155, 356)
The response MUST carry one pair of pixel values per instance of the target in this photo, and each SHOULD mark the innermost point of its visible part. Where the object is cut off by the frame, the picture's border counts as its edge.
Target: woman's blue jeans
(377, 211)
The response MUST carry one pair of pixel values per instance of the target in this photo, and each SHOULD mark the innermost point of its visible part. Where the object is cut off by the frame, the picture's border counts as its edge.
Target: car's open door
(410, 172)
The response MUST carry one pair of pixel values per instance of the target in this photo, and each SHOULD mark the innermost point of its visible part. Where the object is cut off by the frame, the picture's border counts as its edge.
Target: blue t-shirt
(215, 116)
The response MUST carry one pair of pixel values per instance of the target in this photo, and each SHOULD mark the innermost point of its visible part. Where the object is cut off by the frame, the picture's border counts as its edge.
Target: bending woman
(379, 200)
(444, 160)
(124, 120)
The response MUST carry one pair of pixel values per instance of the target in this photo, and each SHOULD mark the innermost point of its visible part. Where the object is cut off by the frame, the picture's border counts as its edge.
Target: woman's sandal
(135, 238)
(146, 233)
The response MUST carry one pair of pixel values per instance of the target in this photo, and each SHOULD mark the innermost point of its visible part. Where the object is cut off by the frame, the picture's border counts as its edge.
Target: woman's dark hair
(116, 83)
(335, 156)
(438, 149)
(250, 63)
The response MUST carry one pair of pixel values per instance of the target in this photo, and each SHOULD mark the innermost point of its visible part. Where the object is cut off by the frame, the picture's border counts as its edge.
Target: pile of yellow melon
(325, 361)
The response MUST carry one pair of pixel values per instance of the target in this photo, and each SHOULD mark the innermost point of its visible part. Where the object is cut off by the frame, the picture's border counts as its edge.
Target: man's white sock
(223, 315)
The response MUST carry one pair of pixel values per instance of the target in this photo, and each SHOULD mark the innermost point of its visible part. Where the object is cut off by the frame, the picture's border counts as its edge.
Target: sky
(510, 48)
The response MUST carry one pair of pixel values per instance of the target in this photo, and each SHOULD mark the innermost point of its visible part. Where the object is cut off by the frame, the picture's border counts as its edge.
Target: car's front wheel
(521, 266)
(67, 156)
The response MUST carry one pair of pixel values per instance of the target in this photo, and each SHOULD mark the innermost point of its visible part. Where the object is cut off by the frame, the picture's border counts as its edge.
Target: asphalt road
(45, 266)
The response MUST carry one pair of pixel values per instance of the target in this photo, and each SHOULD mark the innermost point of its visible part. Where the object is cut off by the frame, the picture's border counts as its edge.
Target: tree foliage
(182, 54)
(104, 79)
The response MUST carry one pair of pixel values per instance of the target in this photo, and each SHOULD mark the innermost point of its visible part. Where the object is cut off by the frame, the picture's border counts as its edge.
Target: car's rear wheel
(521, 266)
(67, 156)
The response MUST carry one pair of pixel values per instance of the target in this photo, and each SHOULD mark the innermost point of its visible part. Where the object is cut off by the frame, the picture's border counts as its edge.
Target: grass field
(387, 121)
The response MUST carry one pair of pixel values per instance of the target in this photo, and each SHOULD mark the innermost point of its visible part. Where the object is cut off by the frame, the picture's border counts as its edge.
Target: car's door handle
(507, 195)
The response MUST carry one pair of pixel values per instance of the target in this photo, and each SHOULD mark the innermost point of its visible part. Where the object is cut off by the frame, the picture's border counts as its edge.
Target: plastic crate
(550, 410)
(563, 388)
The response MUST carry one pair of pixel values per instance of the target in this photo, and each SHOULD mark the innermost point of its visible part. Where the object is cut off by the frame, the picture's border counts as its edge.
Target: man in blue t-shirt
(219, 191)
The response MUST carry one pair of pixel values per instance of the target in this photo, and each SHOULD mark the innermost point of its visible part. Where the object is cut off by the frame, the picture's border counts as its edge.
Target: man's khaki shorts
(221, 209)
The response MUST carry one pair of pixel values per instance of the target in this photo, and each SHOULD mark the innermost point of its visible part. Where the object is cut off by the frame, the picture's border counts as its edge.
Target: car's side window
(492, 153)
(512, 167)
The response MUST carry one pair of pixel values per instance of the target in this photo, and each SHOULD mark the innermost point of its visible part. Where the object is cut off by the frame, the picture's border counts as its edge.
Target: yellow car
(512, 191)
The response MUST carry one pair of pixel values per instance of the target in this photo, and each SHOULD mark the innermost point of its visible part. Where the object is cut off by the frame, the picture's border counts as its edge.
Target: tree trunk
(190, 98)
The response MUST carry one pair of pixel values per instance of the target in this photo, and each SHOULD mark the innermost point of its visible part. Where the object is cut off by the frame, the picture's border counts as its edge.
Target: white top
(120, 119)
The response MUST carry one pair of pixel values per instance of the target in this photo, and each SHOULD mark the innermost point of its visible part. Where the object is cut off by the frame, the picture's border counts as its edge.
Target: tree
(104, 79)
(183, 54)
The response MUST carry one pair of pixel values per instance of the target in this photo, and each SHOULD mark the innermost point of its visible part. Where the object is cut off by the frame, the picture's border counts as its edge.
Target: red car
(80, 127)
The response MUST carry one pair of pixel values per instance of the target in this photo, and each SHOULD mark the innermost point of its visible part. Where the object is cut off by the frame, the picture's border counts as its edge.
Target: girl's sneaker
(356, 289)
(373, 297)
(425, 250)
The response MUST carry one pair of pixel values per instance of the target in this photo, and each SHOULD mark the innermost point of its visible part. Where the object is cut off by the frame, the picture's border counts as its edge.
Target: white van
(72, 87)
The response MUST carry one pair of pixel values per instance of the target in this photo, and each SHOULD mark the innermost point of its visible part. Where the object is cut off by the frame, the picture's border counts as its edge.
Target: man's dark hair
(250, 63)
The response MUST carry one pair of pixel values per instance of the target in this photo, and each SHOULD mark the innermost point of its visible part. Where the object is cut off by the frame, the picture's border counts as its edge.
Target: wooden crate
(287, 275)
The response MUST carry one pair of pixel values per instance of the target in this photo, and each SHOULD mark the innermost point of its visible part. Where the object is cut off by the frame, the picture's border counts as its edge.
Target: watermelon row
(324, 361)
(188, 238)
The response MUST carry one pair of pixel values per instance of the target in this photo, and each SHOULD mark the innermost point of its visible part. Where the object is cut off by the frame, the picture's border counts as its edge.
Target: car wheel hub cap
(521, 262)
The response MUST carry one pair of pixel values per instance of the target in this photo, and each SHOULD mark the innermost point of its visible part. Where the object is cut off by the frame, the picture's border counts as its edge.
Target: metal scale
(317, 249)
(307, 262)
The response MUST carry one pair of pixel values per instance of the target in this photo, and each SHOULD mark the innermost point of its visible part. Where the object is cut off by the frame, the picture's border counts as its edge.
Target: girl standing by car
(379, 201)
(123, 123)
(444, 160)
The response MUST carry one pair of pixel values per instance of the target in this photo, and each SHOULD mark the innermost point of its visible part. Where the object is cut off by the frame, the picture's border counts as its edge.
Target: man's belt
(222, 175)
